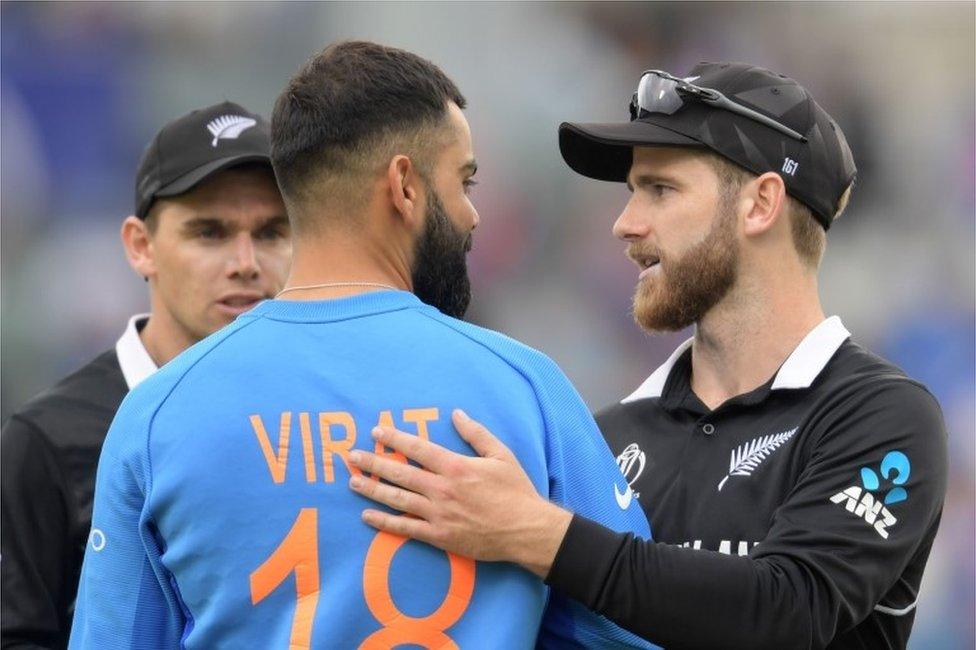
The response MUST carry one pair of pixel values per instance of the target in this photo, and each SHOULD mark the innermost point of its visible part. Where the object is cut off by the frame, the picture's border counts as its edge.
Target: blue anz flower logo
(860, 501)
(895, 468)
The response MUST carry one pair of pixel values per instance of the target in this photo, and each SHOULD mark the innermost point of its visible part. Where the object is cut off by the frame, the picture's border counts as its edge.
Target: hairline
(159, 203)
(350, 167)
(808, 236)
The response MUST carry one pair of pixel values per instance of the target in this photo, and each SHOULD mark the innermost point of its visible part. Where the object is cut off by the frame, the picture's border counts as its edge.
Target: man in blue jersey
(222, 516)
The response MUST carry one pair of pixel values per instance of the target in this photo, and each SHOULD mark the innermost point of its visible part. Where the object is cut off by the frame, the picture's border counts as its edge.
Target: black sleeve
(35, 541)
(830, 554)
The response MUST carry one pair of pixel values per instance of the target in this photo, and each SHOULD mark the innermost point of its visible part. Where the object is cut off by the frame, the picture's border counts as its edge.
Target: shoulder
(854, 360)
(619, 412)
(521, 357)
(131, 428)
(623, 422)
(146, 398)
(860, 381)
(867, 405)
(549, 387)
(85, 399)
(98, 383)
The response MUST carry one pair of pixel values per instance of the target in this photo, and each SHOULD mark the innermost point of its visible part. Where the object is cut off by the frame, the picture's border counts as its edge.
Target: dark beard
(440, 268)
(690, 285)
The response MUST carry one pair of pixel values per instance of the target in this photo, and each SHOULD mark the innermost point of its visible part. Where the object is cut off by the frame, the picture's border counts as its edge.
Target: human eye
(656, 189)
(469, 184)
(272, 233)
(209, 232)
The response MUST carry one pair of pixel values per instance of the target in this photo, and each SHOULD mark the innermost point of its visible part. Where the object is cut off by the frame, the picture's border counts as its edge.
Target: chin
(651, 316)
(211, 325)
(645, 303)
(644, 315)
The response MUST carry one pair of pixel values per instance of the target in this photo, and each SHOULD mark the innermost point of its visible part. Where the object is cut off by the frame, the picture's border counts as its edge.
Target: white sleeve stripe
(895, 612)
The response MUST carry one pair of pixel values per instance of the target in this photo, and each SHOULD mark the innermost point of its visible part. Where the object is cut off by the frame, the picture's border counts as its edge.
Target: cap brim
(191, 179)
(605, 151)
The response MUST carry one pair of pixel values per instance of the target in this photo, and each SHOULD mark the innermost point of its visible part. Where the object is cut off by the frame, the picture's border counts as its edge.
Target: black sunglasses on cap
(660, 92)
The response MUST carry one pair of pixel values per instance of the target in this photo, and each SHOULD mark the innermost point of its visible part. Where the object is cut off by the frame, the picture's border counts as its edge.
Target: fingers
(391, 495)
(399, 525)
(430, 455)
(394, 471)
(479, 437)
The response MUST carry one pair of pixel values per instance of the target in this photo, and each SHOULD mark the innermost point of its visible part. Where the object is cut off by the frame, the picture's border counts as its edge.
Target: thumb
(479, 437)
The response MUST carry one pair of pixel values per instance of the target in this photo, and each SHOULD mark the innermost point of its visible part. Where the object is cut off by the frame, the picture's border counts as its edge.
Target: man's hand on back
(482, 507)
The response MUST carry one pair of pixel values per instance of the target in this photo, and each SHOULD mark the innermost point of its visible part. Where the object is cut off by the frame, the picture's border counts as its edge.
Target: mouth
(238, 303)
(648, 264)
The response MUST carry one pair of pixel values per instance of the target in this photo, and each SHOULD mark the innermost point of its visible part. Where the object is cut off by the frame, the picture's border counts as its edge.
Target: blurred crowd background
(86, 85)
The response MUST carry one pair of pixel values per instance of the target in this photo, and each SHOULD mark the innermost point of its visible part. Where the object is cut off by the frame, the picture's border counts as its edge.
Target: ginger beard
(690, 284)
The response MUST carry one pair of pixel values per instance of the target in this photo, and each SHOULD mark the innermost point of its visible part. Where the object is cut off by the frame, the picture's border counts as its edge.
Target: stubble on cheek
(688, 286)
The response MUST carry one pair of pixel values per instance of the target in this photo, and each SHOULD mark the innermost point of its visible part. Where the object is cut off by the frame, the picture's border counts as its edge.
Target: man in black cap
(211, 237)
(794, 481)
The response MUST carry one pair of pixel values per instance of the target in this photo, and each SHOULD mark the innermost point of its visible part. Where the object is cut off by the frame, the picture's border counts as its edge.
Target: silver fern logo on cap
(229, 127)
(747, 457)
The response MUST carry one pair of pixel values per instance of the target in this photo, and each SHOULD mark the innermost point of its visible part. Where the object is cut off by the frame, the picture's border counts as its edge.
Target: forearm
(681, 597)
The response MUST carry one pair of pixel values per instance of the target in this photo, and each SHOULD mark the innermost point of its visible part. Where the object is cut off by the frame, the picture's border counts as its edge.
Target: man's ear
(766, 196)
(137, 242)
(406, 190)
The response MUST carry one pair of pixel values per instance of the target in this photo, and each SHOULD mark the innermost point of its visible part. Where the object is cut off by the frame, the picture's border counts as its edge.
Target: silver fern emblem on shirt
(747, 457)
(229, 127)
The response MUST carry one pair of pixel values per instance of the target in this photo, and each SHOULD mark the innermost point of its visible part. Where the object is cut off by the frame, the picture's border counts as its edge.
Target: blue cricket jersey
(223, 518)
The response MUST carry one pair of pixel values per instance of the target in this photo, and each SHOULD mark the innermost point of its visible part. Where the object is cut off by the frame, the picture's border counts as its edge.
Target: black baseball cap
(197, 145)
(816, 167)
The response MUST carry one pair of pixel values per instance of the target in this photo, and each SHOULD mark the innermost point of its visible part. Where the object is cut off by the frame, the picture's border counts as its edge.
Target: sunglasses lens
(657, 94)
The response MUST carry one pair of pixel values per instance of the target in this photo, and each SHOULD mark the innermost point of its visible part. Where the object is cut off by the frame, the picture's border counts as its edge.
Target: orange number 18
(298, 552)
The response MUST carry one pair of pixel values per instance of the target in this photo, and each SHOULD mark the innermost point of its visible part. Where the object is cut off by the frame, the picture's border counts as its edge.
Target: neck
(163, 338)
(741, 342)
(347, 261)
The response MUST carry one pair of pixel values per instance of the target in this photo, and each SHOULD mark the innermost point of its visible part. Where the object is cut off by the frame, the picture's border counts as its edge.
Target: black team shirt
(799, 515)
(48, 456)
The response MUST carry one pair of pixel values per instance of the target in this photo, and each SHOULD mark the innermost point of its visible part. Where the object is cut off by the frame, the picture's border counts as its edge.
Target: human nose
(631, 225)
(244, 263)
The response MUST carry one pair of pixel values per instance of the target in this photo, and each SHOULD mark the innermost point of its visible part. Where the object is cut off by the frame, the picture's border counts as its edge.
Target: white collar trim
(811, 355)
(653, 386)
(799, 370)
(133, 357)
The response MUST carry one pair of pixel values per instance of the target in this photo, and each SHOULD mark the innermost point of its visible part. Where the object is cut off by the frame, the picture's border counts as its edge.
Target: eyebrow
(215, 222)
(275, 221)
(201, 222)
(470, 166)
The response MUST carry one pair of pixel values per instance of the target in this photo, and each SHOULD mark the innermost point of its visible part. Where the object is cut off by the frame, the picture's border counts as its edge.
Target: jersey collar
(134, 360)
(800, 369)
(333, 309)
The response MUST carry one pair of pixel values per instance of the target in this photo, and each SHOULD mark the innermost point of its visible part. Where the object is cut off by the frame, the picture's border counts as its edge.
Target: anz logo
(862, 500)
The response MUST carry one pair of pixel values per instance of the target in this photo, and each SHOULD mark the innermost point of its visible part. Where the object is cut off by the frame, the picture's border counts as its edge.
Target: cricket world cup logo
(629, 459)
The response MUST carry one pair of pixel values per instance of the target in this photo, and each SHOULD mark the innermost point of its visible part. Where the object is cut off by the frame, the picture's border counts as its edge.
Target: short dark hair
(348, 102)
